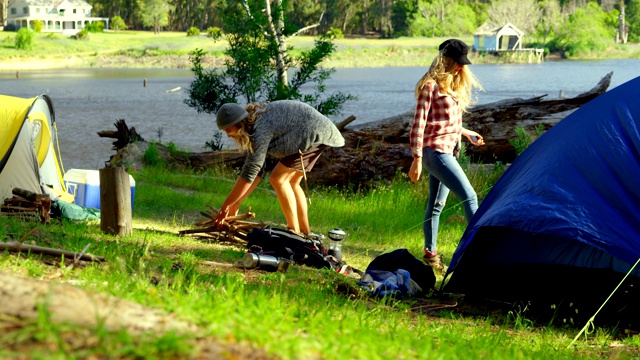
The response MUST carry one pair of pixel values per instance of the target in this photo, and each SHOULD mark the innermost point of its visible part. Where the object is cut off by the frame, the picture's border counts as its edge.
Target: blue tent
(564, 219)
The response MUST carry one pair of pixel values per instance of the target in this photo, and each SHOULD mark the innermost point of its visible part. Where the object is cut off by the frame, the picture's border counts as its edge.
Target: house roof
(59, 3)
(491, 29)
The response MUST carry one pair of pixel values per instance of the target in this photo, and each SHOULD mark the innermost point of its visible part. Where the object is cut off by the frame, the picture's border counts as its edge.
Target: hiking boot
(436, 263)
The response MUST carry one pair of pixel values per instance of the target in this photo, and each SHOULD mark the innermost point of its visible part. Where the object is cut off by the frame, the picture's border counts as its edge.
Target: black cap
(455, 49)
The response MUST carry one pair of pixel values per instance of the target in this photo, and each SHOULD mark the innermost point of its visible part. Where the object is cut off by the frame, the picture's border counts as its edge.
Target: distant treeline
(552, 23)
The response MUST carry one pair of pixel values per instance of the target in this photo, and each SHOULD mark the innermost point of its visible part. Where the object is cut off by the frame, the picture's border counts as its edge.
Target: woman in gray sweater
(291, 131)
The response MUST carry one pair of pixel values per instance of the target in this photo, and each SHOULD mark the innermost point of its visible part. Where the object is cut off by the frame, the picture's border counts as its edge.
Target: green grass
(304, 313)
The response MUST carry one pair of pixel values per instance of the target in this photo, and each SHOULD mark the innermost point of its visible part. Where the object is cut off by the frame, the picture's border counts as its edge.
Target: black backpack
(288, 245)
(392, 260)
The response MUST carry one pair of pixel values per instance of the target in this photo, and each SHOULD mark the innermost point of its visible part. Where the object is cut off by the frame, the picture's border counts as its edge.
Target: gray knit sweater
(286, 127)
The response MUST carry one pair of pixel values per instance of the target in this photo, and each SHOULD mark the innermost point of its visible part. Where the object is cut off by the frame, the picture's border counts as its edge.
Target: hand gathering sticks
(233, 229)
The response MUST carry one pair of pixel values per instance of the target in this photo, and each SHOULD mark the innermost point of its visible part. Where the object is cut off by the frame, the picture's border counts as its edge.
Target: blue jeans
(444, 173)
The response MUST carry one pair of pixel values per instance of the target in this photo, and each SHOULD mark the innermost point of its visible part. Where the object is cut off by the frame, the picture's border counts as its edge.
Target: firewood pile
(234, 229)
(27, 204)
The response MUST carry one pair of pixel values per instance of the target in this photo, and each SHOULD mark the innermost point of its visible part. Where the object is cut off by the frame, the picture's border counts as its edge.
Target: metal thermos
(335, 244)
(264, 262)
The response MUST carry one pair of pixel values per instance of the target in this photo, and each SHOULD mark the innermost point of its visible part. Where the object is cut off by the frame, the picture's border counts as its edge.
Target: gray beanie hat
(230, 114)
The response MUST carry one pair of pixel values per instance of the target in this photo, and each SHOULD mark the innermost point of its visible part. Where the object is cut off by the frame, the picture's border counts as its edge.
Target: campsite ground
(218, 311)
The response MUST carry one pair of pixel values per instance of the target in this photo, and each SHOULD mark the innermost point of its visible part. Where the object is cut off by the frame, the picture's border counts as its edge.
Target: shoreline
(344, 57)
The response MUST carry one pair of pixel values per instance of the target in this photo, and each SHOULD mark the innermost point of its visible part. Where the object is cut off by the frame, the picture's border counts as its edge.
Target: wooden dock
(530, 55)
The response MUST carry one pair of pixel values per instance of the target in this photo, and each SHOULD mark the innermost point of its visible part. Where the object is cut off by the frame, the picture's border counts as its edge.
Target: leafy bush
(523, 139)
(152, 157)
(52, 36)
(95, 27)
(214, 32)
(81, 35)
(37, 25)
(214, 144)
(193, 31)
(335, 33)
(117, 23)
(25, 38)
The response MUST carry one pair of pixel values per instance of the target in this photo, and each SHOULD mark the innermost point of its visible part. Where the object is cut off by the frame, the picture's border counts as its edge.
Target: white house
(66, 16)
(500, 38)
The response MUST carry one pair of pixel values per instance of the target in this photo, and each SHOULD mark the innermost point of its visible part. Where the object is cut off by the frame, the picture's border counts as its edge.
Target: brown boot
(436, 263)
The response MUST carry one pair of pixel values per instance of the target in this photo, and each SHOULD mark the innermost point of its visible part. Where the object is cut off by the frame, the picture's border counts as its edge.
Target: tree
(443, 18)
(403, 12)
(524, 14)
(632, 13)
(5, 11)
(259, 60)
(340, 14)
(587, 29)
(199, 13)
(155, 13)
(117, 23)
(551, 18)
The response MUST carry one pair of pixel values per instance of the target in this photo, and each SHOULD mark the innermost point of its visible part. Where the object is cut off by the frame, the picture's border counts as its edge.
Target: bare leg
(281, 181)
(301, 203)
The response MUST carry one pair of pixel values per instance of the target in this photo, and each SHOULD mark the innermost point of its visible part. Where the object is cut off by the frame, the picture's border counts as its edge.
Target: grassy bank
(139, 49)
(304, 313)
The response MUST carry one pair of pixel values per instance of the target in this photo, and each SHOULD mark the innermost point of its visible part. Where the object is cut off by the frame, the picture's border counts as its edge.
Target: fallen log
(498, 122)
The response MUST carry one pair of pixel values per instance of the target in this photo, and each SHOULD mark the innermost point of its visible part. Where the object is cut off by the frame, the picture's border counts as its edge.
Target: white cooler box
(84, 185)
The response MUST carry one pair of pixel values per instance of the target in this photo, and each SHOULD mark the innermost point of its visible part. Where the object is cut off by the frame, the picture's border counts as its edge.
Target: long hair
(245, 127)
(461, 84)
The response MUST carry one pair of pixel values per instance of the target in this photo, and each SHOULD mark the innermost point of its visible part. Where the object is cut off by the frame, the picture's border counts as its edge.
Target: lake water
(92, 100)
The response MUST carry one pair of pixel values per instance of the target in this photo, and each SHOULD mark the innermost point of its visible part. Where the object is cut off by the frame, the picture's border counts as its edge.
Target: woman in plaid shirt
(443, 94)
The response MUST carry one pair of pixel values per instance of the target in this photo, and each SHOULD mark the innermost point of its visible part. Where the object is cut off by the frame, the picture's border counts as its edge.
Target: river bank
(170, 50)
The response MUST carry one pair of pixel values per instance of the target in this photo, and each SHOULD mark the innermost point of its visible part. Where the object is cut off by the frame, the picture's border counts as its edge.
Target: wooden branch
(207, 229)
(215, 263)
(233, 229)
(307, 27)
(345, 122)
(26, 236)
(19, 247)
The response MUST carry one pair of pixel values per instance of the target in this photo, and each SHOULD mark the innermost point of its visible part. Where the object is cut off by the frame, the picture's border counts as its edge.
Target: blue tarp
(579, 182)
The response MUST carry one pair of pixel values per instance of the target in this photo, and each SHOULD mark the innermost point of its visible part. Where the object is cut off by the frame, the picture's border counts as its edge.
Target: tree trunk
(115, 201)
(276, 29)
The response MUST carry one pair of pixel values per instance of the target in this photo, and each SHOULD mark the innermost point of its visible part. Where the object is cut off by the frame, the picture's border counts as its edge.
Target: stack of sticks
(27, 204)
(234, 229)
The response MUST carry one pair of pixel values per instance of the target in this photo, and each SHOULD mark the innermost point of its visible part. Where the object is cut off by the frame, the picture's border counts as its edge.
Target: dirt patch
(66, 304)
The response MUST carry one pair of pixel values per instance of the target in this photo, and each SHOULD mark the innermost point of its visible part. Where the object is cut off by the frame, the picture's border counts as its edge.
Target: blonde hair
(461, 84)
(245, 127)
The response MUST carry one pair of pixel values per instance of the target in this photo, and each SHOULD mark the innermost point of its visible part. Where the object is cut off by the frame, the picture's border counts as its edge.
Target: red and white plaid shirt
(437, 122)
